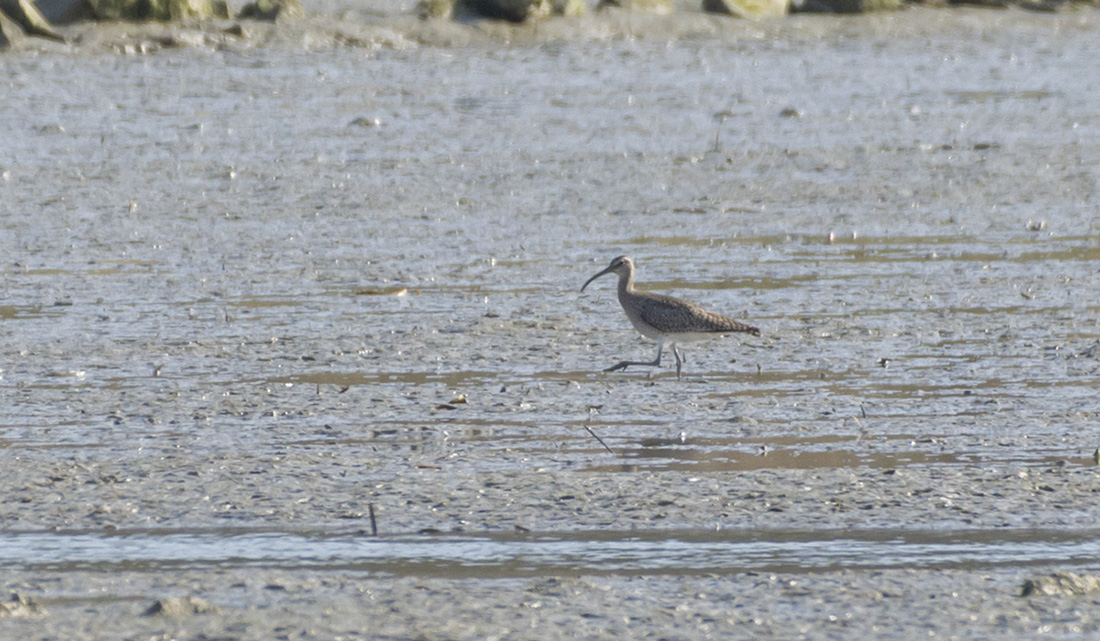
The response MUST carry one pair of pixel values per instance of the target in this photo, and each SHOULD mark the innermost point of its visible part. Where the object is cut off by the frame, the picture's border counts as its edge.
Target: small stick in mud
(373, 523)
(595, 436)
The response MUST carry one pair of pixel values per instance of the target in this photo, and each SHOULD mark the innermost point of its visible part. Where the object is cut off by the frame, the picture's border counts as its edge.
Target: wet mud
(292, 328)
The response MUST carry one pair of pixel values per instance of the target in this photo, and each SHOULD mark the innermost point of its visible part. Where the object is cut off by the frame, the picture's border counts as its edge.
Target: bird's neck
(626, 284)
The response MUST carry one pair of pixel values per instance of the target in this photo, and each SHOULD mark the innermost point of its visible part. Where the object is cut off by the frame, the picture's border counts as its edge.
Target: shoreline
(344, 29)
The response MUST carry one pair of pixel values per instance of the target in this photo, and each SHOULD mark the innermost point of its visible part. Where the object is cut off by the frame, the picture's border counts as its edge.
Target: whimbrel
(664, 318)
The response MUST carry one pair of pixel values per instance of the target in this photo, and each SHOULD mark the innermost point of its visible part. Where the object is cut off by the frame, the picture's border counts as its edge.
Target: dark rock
(27, 16)
(844, 6)
(160, 10)
(510, 10)
(658, 7)
(66, 11)
(11, 34)
(272, 10)
(748, 8)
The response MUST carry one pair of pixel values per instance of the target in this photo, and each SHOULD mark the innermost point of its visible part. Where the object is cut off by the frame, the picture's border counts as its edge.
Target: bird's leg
(622, 365)
(679, 358)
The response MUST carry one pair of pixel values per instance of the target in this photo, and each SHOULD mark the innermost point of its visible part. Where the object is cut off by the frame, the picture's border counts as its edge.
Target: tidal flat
(293, 344)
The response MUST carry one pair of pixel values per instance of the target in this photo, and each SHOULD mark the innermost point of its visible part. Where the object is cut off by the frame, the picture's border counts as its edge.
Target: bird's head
(620, 265)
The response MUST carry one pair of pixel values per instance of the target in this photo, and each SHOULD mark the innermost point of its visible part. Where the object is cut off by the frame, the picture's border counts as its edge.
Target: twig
(373, 523)
(599, 439)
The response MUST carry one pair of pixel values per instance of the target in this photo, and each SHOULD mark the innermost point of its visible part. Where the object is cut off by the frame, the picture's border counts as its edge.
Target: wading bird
(664, 318)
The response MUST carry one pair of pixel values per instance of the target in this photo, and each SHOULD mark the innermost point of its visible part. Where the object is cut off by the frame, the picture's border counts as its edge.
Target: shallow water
(709, 553)
(272, 285)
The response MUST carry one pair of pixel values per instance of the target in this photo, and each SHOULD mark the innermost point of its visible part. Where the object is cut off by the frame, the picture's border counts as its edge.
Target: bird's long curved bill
(594, 278)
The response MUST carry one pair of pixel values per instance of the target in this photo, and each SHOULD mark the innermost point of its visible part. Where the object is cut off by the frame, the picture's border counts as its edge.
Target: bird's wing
(676, 315)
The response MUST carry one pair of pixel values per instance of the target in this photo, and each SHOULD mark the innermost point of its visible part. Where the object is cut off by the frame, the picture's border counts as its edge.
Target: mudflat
(293, 343)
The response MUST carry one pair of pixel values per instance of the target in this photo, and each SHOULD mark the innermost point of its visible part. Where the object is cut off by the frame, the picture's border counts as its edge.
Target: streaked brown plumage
(664, 318)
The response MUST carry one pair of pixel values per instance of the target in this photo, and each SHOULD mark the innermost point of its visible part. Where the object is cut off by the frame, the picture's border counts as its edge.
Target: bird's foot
(622, 365)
